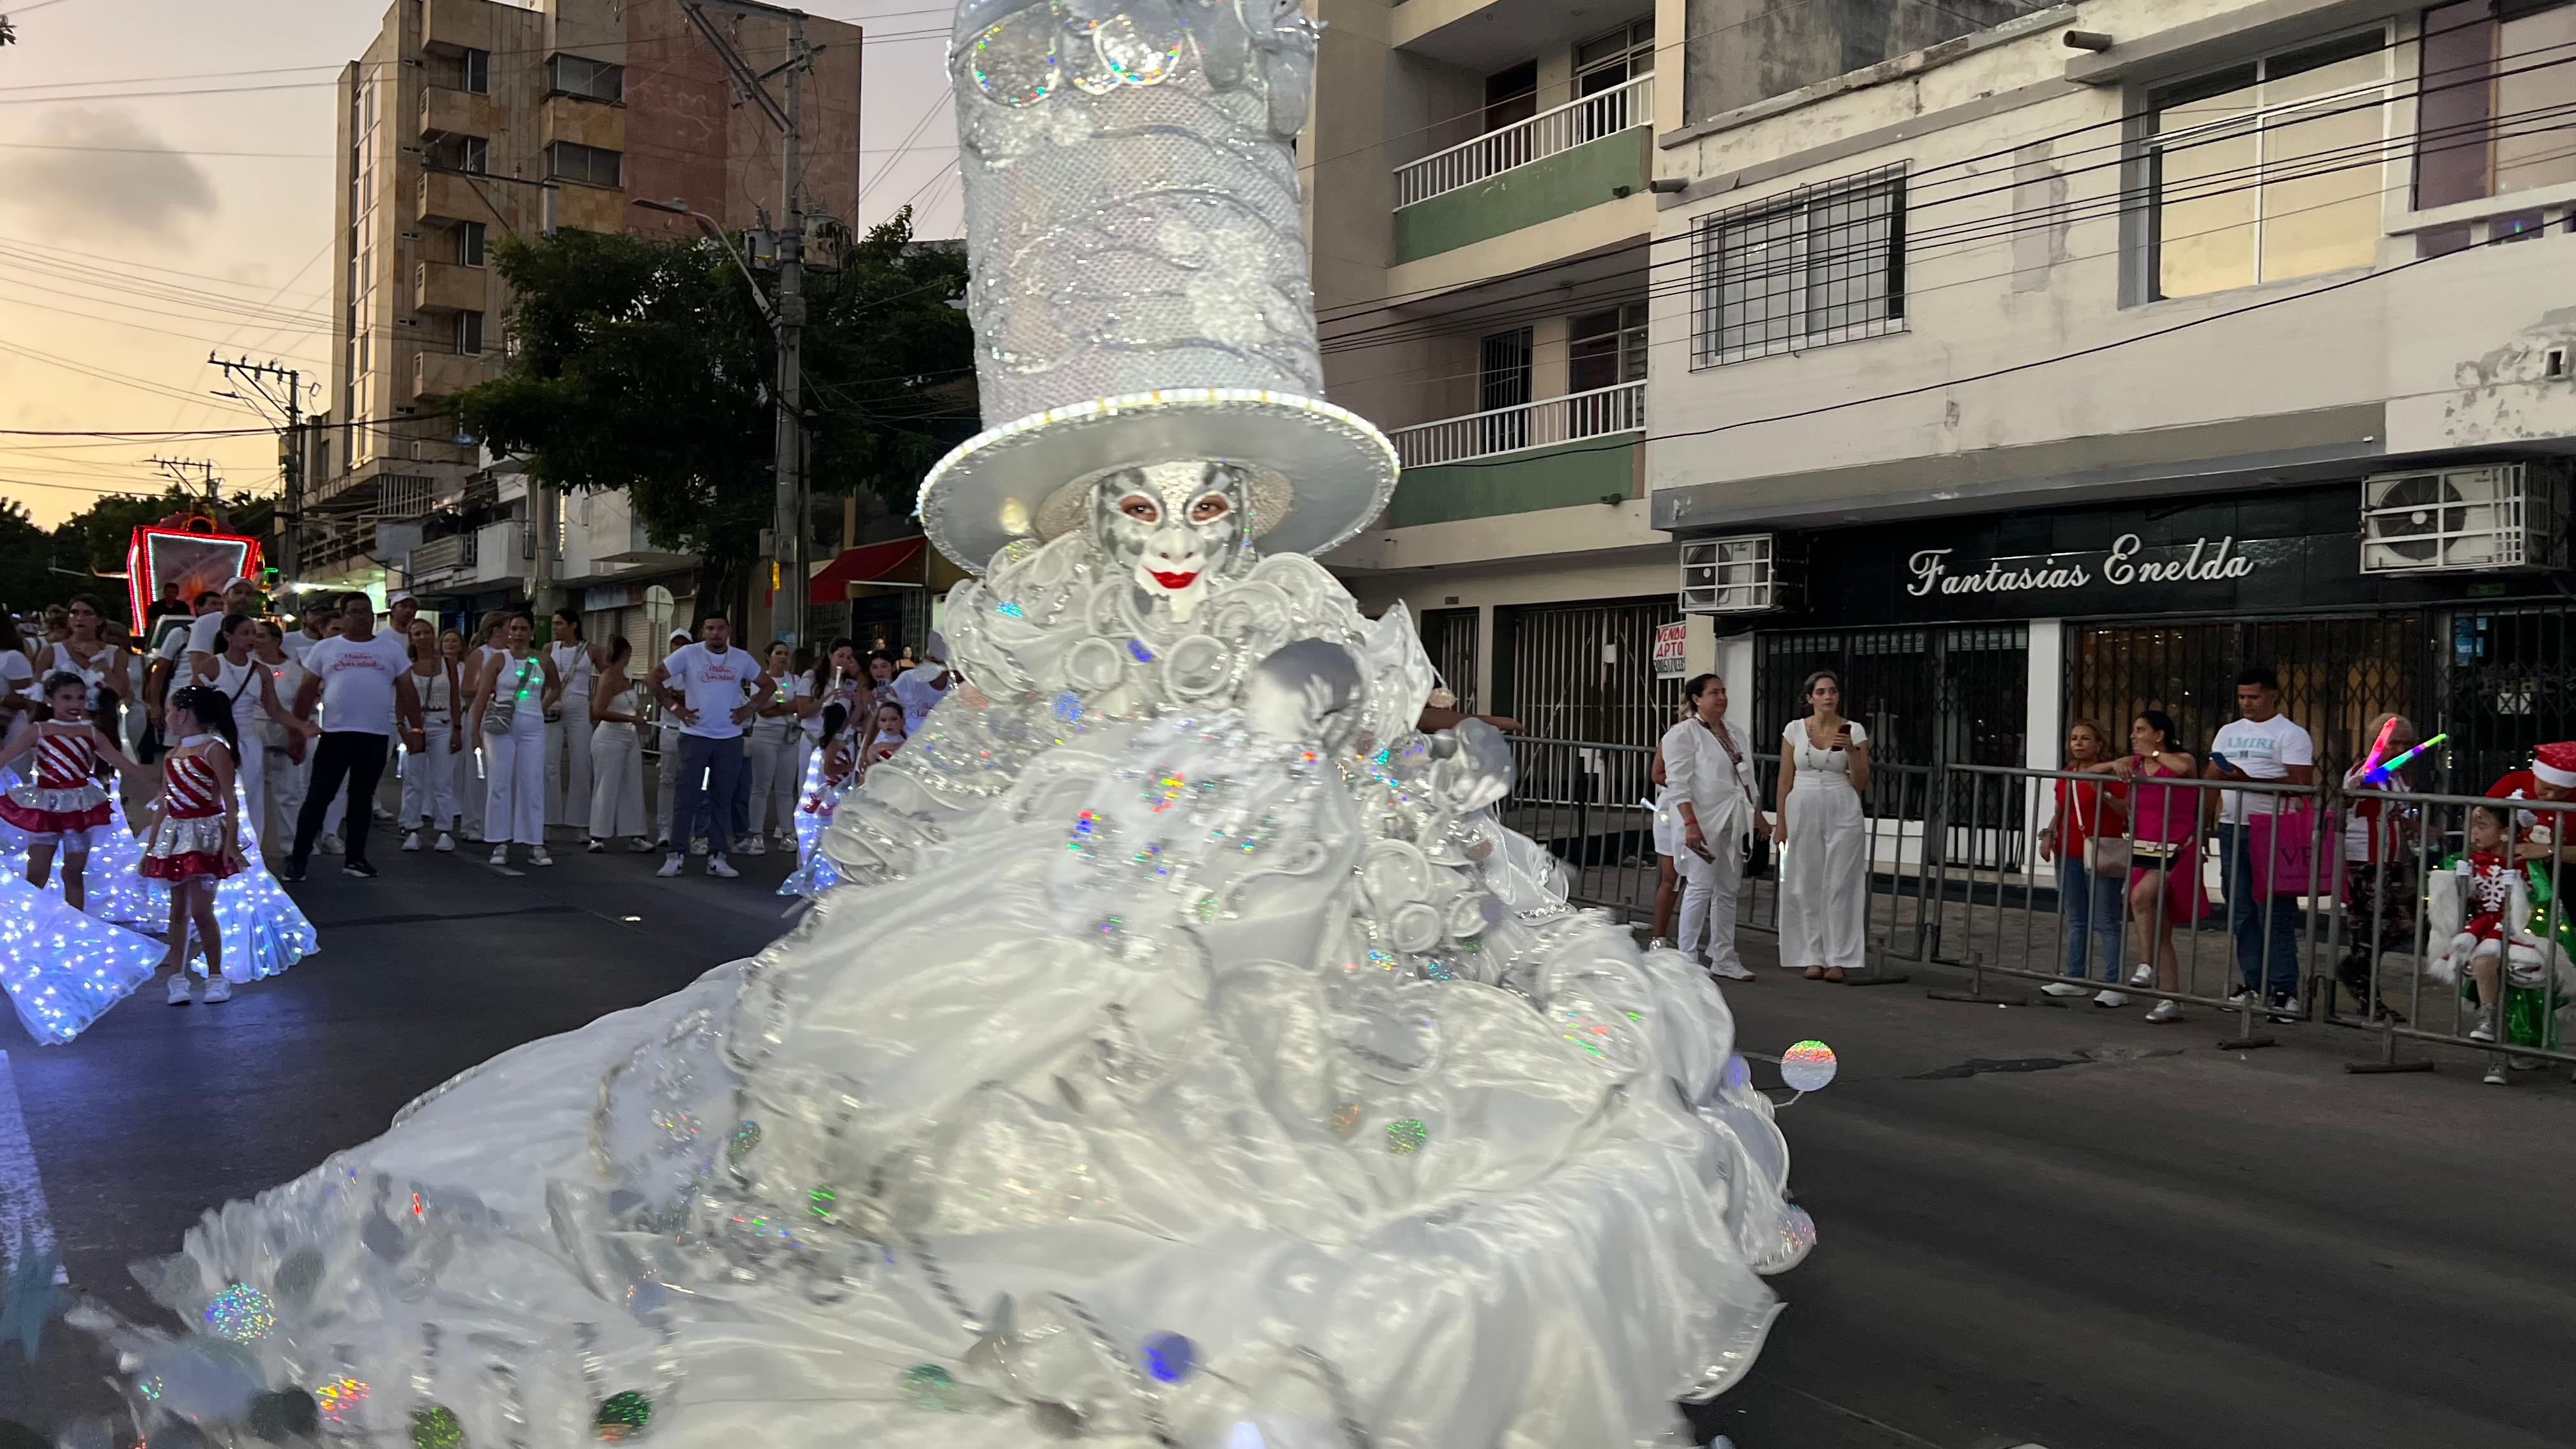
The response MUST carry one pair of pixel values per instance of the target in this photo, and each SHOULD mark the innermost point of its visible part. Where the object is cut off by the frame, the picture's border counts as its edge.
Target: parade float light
(186, 552)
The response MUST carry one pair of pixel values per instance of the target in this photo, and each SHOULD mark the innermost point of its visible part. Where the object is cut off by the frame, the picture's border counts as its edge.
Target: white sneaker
(2108, 997)
(179, 989)
(328, 845)
(412, 841)
(446, 842)
(2062, 988)
(2237, 998)
(2485, 1029)
(721, 868)
(500, 855)
(1732, 972)
(598, 847)
(756, 845)
(2164, 1011)
(2143, 974)
(217, 989)
(640, 846)
(698, 846)
(670, 867)
(538, 856)
(2496, 1077)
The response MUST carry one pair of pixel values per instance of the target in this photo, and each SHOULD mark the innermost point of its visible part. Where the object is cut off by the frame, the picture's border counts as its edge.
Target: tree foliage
(26, 559)
(37, 569)
(645, 365)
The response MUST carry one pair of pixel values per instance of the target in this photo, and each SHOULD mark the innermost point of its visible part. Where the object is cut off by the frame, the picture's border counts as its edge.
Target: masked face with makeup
(1174, 527)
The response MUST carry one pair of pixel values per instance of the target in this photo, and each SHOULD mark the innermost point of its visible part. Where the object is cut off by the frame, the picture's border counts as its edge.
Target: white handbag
(2102, 857)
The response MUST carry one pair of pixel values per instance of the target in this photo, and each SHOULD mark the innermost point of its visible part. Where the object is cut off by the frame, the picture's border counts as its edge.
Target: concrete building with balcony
(2061, 366)
(1477, 179)
(469, 120)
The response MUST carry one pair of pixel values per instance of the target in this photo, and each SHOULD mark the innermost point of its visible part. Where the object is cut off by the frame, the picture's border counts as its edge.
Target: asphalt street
(2048, 1227)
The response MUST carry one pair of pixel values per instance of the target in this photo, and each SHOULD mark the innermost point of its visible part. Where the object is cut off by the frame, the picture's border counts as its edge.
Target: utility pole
(192, 475)
(286, 400)
(788, 525)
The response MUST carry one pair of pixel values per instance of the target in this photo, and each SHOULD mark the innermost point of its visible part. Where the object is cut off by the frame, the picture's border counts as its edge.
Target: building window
(469, 334)
(1615, 59)
(469, 244)
(567, 161)
(592, 80)
(474, 70)
(1824, 264)
(2271, 169)
(1511, 96)
(469, 154)
(1606, 348)
(2491, 113)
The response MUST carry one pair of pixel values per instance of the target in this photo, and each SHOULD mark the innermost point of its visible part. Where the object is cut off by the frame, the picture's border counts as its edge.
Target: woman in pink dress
(2164, 875)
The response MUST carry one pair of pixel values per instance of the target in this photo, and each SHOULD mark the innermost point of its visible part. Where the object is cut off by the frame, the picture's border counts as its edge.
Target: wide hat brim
(1321, 474)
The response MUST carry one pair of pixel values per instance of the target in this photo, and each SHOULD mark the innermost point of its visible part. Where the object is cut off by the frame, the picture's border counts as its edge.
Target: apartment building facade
(2064, 367)
(469, 120)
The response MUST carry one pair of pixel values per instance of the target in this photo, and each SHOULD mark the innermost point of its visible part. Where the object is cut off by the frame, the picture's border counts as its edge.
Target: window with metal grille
(1606, 348)
(1503, 391)
(1449, 637)
(595, 80)
(570, 161)
(1824, 264)
(2270, 169)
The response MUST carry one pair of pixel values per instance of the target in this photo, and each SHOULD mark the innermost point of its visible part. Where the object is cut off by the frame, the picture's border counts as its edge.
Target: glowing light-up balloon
(1808, 1066)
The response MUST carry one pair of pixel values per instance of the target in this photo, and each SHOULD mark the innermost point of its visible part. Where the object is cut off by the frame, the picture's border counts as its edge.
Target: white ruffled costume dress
(1149, 1080)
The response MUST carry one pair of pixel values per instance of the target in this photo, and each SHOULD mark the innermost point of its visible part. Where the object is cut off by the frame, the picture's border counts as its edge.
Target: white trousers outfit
(429, 777)
(1700, 767)
(666, 784)
(616, 781)
(568, 756)
(777, 773)
(1824, 879)
(514, 803)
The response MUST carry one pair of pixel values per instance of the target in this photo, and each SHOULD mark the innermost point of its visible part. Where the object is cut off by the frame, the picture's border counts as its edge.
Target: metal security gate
(1449, 637)
(1585, 671)
(2507, 683)
(1952, 693)
(2337, 675)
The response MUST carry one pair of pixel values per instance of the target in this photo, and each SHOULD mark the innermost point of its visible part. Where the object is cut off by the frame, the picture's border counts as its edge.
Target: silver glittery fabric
(1131, 198)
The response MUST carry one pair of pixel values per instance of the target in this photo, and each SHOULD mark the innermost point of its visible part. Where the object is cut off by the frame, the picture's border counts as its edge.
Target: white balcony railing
(1594, 414)
(1600, 114)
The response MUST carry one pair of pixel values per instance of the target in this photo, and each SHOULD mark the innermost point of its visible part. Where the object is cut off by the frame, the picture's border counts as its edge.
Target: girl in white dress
(617, 754)
(568, 723)
(1824, 843)
(510, 716)
(429, 779)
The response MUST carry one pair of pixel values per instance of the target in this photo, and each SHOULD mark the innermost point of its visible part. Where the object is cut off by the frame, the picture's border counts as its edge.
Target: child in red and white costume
(62, 806)
(196, 840)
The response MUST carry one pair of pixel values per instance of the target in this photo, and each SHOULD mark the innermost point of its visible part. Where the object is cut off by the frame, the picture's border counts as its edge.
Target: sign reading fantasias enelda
(2127, 562)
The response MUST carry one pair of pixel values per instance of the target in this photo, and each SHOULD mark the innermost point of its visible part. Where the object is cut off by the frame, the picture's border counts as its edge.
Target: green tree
(644, 365)
(26, 559)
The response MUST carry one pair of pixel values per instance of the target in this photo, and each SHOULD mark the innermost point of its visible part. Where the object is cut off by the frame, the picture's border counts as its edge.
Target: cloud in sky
(119, 176)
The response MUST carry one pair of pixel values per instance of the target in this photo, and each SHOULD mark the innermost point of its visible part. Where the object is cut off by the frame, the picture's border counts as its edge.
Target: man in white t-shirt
(362, 680)
(2261, 745)
(709, 687)
(922, 687)
(318, 612)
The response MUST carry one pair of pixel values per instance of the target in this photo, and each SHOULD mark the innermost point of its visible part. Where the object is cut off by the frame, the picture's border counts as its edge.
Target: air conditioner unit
(1743, 574)
(2502, 516)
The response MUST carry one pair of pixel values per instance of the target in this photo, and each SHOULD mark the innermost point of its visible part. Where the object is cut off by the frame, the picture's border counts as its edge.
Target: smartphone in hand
(2220, 762)
(1842, 736)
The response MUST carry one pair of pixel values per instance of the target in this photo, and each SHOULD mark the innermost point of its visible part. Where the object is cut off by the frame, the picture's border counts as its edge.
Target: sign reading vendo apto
(1671, 646)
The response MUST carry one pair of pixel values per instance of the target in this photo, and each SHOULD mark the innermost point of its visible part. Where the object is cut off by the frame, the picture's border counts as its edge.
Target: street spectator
(1708, 760)
(286, 759)
(360, 680)
(206, 631)
(60, 806)
(2164, 851)
(250, 693)
(319, 618)
(881, 673)
(2262, 744)
(1824, 844)
(400, 610)
(1667, 834)
(105, 670)
(920, 689)
(617, 753)
(429, 774)
(510, 710)
(2487, 875)
(777, 753)
(568, 723)
(2085, 839)
(710, 686)
(2382, 880)
(17, 681)
(666, 787)
(885, 735)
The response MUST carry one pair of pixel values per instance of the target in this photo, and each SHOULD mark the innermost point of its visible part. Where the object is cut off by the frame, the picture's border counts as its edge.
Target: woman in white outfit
(666, 774)
(568, 724)
(472, 769)
(778, 753)
(510, 716)
(1708, 763)
(1824, 843)
(284, 755)
(617, 754)
(236, 672)
(429, 777)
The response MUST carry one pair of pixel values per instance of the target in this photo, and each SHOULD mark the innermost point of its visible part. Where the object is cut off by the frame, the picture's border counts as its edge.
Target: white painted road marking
(25, 1226)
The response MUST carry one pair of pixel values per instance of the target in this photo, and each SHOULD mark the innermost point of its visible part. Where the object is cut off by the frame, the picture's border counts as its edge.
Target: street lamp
(786, 321)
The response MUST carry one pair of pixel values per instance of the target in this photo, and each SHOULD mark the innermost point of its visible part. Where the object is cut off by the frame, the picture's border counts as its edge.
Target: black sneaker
(358, 868)
(292, 873)
(2284, 1008)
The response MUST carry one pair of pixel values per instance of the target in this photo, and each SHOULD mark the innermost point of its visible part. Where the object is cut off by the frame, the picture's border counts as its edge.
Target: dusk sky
(165, 189)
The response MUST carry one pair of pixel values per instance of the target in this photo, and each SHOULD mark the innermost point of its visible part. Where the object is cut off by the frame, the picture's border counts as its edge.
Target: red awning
(898, 559)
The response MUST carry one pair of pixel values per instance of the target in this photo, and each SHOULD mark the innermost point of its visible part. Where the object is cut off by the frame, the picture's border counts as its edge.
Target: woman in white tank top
(242, 679)
(429, 777)
(568, 724)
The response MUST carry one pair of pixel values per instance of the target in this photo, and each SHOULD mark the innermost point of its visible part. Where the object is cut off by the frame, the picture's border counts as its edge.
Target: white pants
(252, 780)
(568, 762)
(1709, 891)
(616, 781)
(429, 780)
(285, 782)
(666, 784)
(468, 783)
(777, 773)
(514, 803)
(1824, 879)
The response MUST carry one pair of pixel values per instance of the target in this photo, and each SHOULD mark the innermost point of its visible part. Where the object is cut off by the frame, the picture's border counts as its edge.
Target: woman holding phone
(1824, 843)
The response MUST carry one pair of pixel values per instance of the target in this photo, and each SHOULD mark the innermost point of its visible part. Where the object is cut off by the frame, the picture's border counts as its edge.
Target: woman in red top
(61, 805)
(2165, 849)
(2088, 897)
